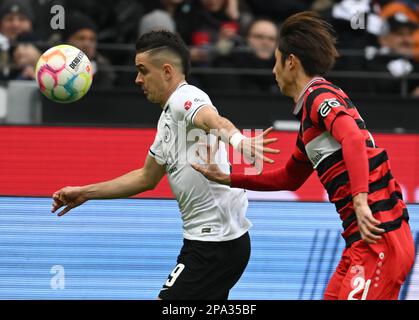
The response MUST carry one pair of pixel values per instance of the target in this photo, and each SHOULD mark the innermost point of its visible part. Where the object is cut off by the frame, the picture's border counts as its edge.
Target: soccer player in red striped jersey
(334, 141)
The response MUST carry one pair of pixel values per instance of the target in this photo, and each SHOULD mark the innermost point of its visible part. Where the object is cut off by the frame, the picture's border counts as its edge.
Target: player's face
(282, 74)
(149, 78)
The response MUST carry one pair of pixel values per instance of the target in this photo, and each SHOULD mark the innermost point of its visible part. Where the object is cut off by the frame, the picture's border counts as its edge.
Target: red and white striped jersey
(317, 110)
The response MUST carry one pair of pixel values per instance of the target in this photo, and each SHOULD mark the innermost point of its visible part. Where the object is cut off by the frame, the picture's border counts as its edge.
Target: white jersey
(210, 211)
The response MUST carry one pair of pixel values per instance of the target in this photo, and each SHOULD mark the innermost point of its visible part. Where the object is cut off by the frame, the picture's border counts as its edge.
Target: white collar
(300, 99)
(167, 102)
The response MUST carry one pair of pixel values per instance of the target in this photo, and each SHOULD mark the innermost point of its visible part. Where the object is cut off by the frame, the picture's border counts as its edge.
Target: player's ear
(168, 70)
(292, 61)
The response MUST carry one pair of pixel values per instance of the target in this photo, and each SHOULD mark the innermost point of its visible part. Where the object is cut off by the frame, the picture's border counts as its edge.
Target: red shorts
(376, 271)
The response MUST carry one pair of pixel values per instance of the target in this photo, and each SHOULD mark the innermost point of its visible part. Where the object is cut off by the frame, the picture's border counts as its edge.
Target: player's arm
(291, 177)
(132, 183)
(345, 130)
(330, 113)
(208, 119)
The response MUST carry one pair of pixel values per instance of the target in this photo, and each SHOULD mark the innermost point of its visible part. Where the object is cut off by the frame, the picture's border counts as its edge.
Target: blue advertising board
(125, 249)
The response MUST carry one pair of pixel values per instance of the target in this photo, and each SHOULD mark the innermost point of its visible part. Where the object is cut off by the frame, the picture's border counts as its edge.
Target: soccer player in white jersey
(216, 245)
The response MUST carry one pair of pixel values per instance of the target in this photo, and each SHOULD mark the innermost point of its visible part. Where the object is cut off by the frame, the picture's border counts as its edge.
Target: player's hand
(68, 197)
(254, 149)
(210, 169)
(367, 224)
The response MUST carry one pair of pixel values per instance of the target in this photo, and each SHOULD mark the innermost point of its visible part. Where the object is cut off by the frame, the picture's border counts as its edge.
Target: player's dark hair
(168, 41)
(311, 39)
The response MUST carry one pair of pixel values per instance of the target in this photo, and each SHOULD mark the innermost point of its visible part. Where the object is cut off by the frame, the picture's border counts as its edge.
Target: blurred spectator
(416, 45)
(215, 26)
(398, 36)
(278, 10)
(15, 18)
(321, 5)
(116, 21)
(357, 24)
(179, 12)
(81, 32)
(4, 57)
(411, 10)
(119, 20)
(261, 40)
(42, 12)
(262, 37)
(395, 54)
(18, 60)
(157, 20)
(25, 55)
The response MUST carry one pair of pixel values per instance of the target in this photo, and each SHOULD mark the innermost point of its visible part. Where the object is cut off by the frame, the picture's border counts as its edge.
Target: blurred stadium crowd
(232, 42)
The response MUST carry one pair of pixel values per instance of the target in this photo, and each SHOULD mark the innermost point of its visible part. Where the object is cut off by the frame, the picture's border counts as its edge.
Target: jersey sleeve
(155, 150)
(347, 133)
(330, 112)
(290, 177)
(325, 108)
(188, 102)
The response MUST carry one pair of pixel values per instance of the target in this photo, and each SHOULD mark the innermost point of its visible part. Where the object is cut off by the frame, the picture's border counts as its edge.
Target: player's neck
(300, 84)
(170, 89)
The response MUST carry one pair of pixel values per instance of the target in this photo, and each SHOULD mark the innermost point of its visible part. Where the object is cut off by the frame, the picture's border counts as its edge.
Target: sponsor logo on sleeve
(326, 106)
(187, 105)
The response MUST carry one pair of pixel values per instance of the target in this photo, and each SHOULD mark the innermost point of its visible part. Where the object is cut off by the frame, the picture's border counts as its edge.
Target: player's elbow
(145, 181)
(355, 136)
(354, 140)
(151, 185)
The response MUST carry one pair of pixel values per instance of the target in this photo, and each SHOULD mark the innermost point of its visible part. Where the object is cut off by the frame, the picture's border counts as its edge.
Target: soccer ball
(64, 73)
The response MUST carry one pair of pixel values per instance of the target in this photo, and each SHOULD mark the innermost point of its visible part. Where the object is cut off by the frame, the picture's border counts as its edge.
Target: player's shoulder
(324, 88)
(190, 91)
(188, 97)
(322, 93)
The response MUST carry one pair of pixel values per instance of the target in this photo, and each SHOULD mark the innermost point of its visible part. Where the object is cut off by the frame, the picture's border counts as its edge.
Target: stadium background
(124, 249)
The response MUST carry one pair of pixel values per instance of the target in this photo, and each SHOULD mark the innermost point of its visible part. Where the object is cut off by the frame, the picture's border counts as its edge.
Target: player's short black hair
(165, 40)
(311, 39)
